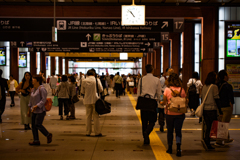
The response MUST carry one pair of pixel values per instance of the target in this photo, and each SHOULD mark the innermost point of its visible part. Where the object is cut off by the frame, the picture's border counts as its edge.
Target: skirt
(24, 101)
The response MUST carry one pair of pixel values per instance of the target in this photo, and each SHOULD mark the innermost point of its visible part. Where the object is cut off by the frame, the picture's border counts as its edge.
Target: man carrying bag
(148, 96)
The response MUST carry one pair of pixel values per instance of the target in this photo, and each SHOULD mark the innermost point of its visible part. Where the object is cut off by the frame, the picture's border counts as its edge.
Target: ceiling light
(61, 0)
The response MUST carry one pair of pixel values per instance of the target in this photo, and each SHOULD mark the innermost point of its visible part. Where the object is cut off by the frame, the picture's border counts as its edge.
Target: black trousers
(37, 120)
(193, 101)
(148, 121)
(12, 94)
(118, 88)
(174, 122)
(2, 107)
(161, 116)
(209, 116)
(63, 101)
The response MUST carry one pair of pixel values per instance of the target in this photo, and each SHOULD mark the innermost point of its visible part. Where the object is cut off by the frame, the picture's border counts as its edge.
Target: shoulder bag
(146, 103)
(199, 110)
(48, 103)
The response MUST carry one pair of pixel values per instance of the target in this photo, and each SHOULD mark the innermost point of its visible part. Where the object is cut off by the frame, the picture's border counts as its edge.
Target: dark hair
(149, 68)
(117, 73)
(93, 70)
(180, 70)
(24, 80)
(38, 78)
(1, 72)
(53, 73)
(195, 75)
(173, 80)
(72, 78)
(222, 74)
(90, 72)
(64, 78)
(11, 75)
(211, 78)
(167, 70)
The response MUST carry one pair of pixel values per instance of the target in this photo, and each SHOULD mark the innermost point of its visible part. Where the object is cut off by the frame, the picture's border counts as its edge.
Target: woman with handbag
(174, 120)
(24, 88)
(37, 107)
(63, 93)
(211, 105)
(72, 90)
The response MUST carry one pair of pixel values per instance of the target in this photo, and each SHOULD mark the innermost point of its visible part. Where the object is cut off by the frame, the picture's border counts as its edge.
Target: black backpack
(102, 107)
(192, 90)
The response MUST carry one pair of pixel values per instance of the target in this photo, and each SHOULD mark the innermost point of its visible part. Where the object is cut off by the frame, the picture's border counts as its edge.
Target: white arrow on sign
(143, 49)
(148, 44)
(88, 36)
(165, 24)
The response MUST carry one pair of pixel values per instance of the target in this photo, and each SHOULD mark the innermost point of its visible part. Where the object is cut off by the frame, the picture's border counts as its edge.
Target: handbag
(219, 130)
(55, 101)
(146, 103)
(177, 103)
(75, 99)
(48, 103)
(199, 110)
(131, 84)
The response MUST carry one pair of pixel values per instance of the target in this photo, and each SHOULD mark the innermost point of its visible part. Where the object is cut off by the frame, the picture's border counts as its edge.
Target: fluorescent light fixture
(123, 56)
(197, 1)
(61, 0)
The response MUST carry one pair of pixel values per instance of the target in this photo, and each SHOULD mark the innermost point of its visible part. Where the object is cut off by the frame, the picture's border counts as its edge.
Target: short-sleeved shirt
(210, 103)
(168, 94)
(197, 83)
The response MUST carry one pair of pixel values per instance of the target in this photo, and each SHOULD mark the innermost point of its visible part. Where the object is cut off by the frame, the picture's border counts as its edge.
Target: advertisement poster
(2, 56)
(22, 62)
(234, 76)
(233, 39)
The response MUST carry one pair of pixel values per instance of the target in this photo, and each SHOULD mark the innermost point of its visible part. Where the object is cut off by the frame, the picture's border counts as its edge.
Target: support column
(33, 63)
(43, 62)
(149, 58)
(66, 66)
(166, 56)
(53, 65)
(60, 64)
(143, 65)
(14, 70)
(175, 51)
(188, 50)
(157, 62)
(153, 56)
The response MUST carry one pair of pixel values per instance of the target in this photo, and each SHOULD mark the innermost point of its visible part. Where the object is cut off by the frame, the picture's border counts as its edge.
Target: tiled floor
(122, 138)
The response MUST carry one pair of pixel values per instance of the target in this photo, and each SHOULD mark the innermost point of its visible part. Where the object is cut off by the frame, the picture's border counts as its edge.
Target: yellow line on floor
(158, 148)
(194, 129)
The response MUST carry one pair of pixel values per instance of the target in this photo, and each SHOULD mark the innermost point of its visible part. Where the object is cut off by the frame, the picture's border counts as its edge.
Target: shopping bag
(55, 101)
(219, 130)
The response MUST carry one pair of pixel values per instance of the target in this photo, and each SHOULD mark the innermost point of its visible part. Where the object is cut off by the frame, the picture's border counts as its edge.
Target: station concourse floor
(122, 137)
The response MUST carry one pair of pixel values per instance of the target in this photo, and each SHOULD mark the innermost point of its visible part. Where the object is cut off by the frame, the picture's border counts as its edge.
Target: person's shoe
(67, 118)
(179, 152)
(11, 105)
(88, 135)
(49, 138)
(34, 143)
(146, 138)
(209, 147)
(72, 117)
(99, 135)
(161, 129)
(169, 149)
(0, 120)
(61, 117)
(204, 145)
(26, 127)
(228, 141)
(219, 144)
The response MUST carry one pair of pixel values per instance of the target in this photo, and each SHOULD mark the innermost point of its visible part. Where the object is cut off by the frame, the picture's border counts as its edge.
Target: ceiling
(120, 2)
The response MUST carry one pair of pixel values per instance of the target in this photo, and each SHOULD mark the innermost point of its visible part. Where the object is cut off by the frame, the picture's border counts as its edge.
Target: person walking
(211, 107)
(150, 85)
(53, 83)
(12, 85)
(37, 107)
(72, 90)
(3, 89)
(89, 90)
(226, 102)
(118, 84)
(174, 120)
(63, 93)
(24, 88)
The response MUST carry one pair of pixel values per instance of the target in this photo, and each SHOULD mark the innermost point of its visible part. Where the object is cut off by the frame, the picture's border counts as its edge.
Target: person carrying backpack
(194, 88)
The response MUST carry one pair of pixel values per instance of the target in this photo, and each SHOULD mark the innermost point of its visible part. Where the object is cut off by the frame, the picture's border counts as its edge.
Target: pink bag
(219, 130)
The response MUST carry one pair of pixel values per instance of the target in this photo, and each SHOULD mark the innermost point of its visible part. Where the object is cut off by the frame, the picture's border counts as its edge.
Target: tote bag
(219, 130)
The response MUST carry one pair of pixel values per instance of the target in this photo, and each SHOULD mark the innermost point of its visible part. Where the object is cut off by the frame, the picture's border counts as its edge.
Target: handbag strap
(206, 94)
(97, 86)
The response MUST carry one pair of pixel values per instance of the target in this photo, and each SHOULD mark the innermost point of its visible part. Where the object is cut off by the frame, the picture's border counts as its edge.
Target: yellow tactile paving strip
(156, 144)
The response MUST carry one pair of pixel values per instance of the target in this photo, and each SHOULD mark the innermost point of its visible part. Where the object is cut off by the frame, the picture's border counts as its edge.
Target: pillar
(33, 63)
(43, 62)
(143, 65)
(66, 66)
(14, 70)
(53, 65)
(60, 60)
(149, 60)
(188, 51)
(157, 62)
(175, 38)
(166, 56)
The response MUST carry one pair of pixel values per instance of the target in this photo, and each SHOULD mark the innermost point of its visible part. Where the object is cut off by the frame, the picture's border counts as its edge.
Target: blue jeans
(37, 120)
(174, 122)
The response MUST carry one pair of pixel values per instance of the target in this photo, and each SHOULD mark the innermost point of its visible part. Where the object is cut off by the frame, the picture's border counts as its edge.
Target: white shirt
(80, 79)
(89, 89)
(180, 76)
(150, 85)
(197, 83)
(162, 81)
(12, 86)
(53, 80)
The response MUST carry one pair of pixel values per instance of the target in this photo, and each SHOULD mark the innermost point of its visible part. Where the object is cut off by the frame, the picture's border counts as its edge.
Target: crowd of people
(33, 95)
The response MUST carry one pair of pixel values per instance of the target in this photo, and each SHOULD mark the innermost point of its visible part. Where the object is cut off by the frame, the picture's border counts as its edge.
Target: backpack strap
(97, 86)
(175, 95)
(222, 86)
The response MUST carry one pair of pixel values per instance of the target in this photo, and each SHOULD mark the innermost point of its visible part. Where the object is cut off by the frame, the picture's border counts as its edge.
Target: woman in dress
(24, 88)
(12, 85)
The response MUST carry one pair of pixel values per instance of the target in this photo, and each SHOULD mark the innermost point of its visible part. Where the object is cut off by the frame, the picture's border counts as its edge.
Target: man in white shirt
(150, 85)
(53, 83)
(89, 89)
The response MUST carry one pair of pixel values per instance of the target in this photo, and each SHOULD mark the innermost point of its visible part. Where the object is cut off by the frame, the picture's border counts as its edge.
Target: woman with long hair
(174, 120)
(24, 88)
